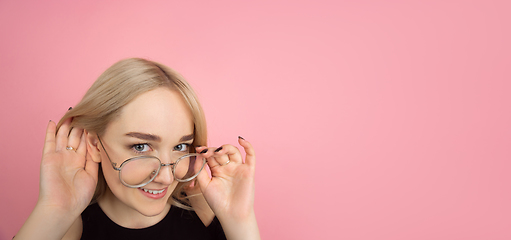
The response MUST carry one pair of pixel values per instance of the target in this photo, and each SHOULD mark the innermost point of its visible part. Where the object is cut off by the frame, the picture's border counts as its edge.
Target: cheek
(111, 175)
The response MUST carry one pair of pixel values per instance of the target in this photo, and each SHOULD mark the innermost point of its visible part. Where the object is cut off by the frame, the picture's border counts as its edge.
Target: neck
(124, 215)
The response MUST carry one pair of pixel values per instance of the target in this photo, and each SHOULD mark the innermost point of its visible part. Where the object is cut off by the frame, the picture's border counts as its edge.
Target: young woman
(128, 162)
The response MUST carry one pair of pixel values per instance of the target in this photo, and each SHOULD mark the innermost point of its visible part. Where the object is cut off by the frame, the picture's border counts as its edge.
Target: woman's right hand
(67, 184)
(68, 176)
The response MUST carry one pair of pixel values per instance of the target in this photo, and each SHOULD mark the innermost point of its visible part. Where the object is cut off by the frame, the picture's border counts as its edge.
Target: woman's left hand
(230, 190)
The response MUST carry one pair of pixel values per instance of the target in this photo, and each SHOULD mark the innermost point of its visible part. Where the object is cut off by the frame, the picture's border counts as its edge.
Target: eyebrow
(151, 137)
(144, 136)
(187, 138)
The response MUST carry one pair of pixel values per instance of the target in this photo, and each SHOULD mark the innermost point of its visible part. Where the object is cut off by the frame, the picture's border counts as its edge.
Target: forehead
(161, 112)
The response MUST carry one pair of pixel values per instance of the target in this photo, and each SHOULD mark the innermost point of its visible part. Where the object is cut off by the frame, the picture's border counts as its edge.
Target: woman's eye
(141, 147)
(183, 147)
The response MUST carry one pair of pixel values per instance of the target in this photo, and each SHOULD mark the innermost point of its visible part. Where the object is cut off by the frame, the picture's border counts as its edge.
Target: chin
(152, 208)
(151, 212)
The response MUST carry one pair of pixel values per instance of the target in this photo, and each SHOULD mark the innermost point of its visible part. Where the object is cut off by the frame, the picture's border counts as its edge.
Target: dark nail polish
(219, 149)
(70, 108)
(241, 137)
(204, 151)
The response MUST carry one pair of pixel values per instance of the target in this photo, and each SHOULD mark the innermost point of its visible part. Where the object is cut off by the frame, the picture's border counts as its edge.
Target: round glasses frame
(119, 169)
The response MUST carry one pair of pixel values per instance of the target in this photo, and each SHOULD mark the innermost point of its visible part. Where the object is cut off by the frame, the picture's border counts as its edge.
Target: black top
(178, 224)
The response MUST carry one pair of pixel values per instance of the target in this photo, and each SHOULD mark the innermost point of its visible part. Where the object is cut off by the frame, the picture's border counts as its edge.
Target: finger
(82, 146)
(227, 154)
(203, 179)
(201, 149)
(212, 163)
(62, 134)
(206, 152)
(216, 157)
(49, 140)
(250, 159)
(91, 167)
(75, 138)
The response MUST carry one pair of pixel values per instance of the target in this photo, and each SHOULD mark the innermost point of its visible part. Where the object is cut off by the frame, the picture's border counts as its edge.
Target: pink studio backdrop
(371, 119)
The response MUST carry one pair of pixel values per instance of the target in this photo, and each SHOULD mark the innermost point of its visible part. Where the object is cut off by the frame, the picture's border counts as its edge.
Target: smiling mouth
(153, 191)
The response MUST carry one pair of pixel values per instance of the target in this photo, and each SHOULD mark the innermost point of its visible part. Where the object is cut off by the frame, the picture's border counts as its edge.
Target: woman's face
(156, 123)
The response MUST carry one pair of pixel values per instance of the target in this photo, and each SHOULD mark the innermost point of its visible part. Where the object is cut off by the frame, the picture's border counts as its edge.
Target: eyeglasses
(138, 171)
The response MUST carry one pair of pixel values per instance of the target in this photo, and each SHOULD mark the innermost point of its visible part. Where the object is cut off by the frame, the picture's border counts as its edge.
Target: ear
(93, 146)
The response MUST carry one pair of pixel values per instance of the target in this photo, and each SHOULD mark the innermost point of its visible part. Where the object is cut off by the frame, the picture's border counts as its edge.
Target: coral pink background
(371, 119)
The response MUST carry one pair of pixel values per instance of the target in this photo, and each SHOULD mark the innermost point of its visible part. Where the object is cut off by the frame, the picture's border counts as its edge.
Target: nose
(165, 175)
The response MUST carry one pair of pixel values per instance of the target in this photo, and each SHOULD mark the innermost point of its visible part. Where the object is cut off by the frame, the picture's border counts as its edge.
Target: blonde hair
(119, 85)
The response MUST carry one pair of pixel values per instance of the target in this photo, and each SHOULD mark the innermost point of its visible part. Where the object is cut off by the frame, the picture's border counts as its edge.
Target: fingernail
(204, 151)
(219, 149)
(240, 137)
(198, 146)
(70, 108)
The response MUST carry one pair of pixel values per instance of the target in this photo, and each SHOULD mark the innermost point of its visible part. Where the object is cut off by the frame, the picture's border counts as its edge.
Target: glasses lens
(140, 170)
(188, 167)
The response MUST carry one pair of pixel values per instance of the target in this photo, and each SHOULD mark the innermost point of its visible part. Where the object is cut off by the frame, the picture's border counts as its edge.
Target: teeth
(153, 191)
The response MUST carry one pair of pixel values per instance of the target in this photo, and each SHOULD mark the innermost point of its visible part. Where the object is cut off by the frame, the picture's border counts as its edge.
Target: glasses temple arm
(102, 146)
